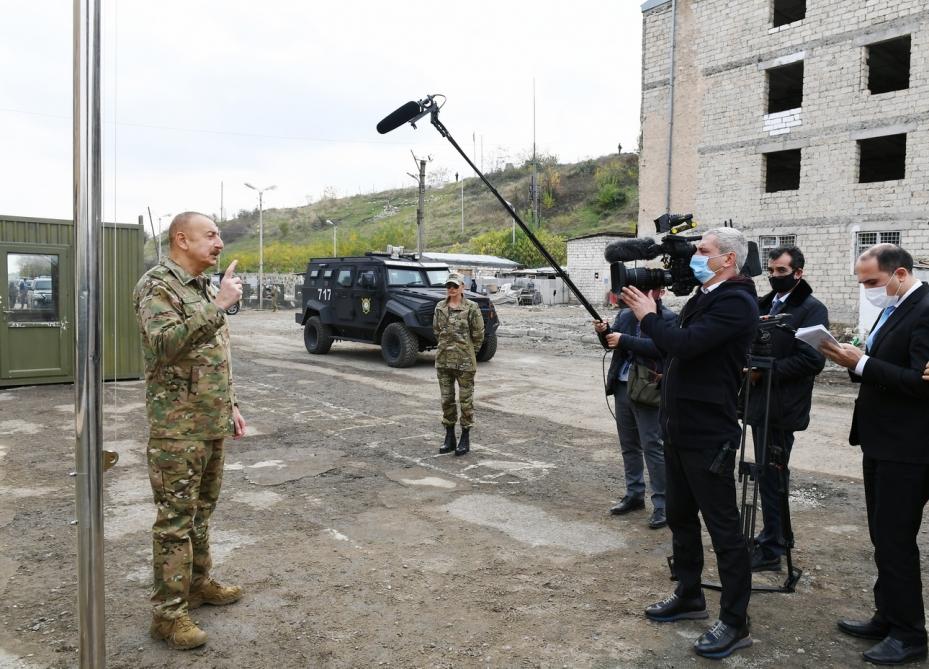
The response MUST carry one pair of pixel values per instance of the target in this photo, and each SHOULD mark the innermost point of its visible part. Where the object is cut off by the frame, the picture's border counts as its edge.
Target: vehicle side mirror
(368, 280)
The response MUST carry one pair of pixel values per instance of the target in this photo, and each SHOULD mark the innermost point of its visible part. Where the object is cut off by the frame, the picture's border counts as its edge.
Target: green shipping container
(37, 301)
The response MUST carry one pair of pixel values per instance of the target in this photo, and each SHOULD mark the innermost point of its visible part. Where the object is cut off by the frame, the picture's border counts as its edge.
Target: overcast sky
(288, 93)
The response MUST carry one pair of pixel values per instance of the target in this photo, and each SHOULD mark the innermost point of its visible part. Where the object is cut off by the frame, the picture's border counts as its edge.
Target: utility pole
(536, 214)
(420, 210)
(462, 206)
(155, 241)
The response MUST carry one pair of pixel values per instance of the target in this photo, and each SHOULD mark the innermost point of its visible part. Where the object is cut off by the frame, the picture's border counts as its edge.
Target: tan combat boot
(179, 633)
(211, 592)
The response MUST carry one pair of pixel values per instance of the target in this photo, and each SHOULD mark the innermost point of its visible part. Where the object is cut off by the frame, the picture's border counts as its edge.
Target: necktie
(775, 306)
(883, 319)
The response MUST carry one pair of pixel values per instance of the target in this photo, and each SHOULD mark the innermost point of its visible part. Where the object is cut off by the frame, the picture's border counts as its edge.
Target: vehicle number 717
(323, 294)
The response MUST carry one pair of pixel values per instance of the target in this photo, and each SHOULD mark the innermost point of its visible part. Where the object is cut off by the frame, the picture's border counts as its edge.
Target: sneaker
(674, 608)
(212, 593)
(179, 633)
(722, 640)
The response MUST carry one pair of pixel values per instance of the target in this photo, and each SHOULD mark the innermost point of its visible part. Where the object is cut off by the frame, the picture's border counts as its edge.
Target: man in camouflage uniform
(459, 331)
(191, 409)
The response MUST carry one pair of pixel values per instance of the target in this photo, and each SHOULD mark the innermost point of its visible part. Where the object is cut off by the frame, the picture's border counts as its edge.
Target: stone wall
(587, 268)
(720, 116)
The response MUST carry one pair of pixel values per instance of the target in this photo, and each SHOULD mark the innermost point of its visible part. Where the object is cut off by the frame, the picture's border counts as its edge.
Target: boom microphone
(408, 112)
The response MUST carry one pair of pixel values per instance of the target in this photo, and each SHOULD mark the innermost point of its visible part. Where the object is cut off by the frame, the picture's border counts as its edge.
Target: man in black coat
(705, 356)
(637, 423)
(890, 423)
(793, 371)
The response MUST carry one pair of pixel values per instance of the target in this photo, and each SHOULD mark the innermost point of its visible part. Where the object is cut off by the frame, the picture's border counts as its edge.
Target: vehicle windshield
(397, 276)
(43, 284)
(437, 277)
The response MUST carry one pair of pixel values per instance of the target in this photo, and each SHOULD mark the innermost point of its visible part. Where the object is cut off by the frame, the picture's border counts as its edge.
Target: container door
(35, 335)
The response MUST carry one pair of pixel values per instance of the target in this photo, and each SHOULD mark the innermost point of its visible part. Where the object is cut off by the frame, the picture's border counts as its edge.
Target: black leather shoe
(864, 629)
(449, 444)
(674, 608)
(658, 519)
(721, 640)
(464, 443)
(762, 562)
(892, 651)
(627, 504)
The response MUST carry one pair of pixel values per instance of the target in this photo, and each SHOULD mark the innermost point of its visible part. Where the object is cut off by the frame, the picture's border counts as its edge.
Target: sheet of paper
(815, 335)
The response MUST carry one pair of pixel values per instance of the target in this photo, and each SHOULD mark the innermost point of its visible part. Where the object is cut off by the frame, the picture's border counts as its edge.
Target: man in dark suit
(637, 423)
(890, 423)
(793, 372)
(705, 355)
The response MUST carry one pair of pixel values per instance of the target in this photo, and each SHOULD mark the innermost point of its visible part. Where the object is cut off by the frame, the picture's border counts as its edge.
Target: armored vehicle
(386, 299)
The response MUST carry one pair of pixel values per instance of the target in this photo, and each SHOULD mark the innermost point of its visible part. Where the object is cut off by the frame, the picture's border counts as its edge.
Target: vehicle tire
(316, 336)
(399, 346)
(488, 348)
(234, 309)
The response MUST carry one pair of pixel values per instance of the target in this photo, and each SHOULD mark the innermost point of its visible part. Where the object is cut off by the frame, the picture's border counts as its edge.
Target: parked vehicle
(382, 299)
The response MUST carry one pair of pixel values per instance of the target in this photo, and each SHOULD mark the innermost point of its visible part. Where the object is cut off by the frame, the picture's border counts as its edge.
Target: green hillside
(580, 198)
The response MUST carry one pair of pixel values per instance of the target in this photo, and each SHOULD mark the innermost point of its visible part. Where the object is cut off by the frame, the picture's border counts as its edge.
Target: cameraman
(705, 355)
(637, 422)
(794, 369)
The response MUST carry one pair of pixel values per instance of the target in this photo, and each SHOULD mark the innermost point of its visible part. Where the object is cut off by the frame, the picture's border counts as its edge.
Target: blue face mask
(700, 267)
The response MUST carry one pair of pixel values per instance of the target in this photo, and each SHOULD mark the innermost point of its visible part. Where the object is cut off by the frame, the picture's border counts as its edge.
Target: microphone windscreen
(398, 117)
(625, 250)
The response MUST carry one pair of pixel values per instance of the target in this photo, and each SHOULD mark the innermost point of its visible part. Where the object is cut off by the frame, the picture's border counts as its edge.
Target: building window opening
(788, 11)
(770, 242)
(782, 170)
(889, 65)
(785, 87)
(882, 158)
(865, 240)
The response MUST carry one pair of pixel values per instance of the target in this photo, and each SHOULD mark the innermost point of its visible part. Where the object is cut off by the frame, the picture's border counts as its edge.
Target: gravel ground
(359, 546)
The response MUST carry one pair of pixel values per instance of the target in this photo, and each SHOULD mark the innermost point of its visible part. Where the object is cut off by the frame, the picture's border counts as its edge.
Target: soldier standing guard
(191, 409)
(459, 331)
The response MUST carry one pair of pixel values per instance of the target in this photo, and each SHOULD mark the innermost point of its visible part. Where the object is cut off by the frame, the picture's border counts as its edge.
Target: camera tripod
(771, 460)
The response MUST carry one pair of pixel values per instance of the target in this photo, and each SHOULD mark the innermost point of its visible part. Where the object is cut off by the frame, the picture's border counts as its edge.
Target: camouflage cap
(454, 278)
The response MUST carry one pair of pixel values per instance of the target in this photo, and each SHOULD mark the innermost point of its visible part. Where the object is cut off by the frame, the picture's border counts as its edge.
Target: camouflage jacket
(459, 332)
(185, 342)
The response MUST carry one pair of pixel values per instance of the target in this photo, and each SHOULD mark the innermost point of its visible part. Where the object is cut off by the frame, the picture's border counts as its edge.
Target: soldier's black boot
(464, 443)
(449, 444)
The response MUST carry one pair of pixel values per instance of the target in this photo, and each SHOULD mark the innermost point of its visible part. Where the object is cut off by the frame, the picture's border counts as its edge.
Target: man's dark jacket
(795, 366)
(704, 357)
(891, 419)
(640, 347)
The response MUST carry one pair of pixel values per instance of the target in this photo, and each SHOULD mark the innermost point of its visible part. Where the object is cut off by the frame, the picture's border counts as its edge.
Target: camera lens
(638, 277)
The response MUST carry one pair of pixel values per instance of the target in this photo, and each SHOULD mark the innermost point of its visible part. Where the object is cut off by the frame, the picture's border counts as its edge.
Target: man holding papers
(890, 424)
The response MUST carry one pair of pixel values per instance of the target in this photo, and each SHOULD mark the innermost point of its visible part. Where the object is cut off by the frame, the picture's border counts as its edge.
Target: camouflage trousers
(465, 379)
(186, 477)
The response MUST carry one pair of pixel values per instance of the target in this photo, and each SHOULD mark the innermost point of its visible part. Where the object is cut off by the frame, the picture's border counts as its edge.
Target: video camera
(675, 249)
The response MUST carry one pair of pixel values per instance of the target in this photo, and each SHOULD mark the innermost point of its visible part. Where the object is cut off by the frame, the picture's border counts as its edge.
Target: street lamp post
(261, 241)
(335, 244)
(160, 232)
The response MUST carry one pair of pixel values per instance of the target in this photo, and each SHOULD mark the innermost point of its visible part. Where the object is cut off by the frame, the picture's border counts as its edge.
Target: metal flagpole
(88, 384)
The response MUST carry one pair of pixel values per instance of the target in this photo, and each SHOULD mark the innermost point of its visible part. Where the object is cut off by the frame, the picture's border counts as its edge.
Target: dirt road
(360, 546)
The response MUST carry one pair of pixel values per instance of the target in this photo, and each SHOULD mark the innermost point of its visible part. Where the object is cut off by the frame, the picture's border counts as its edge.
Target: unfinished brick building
(802, 121)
